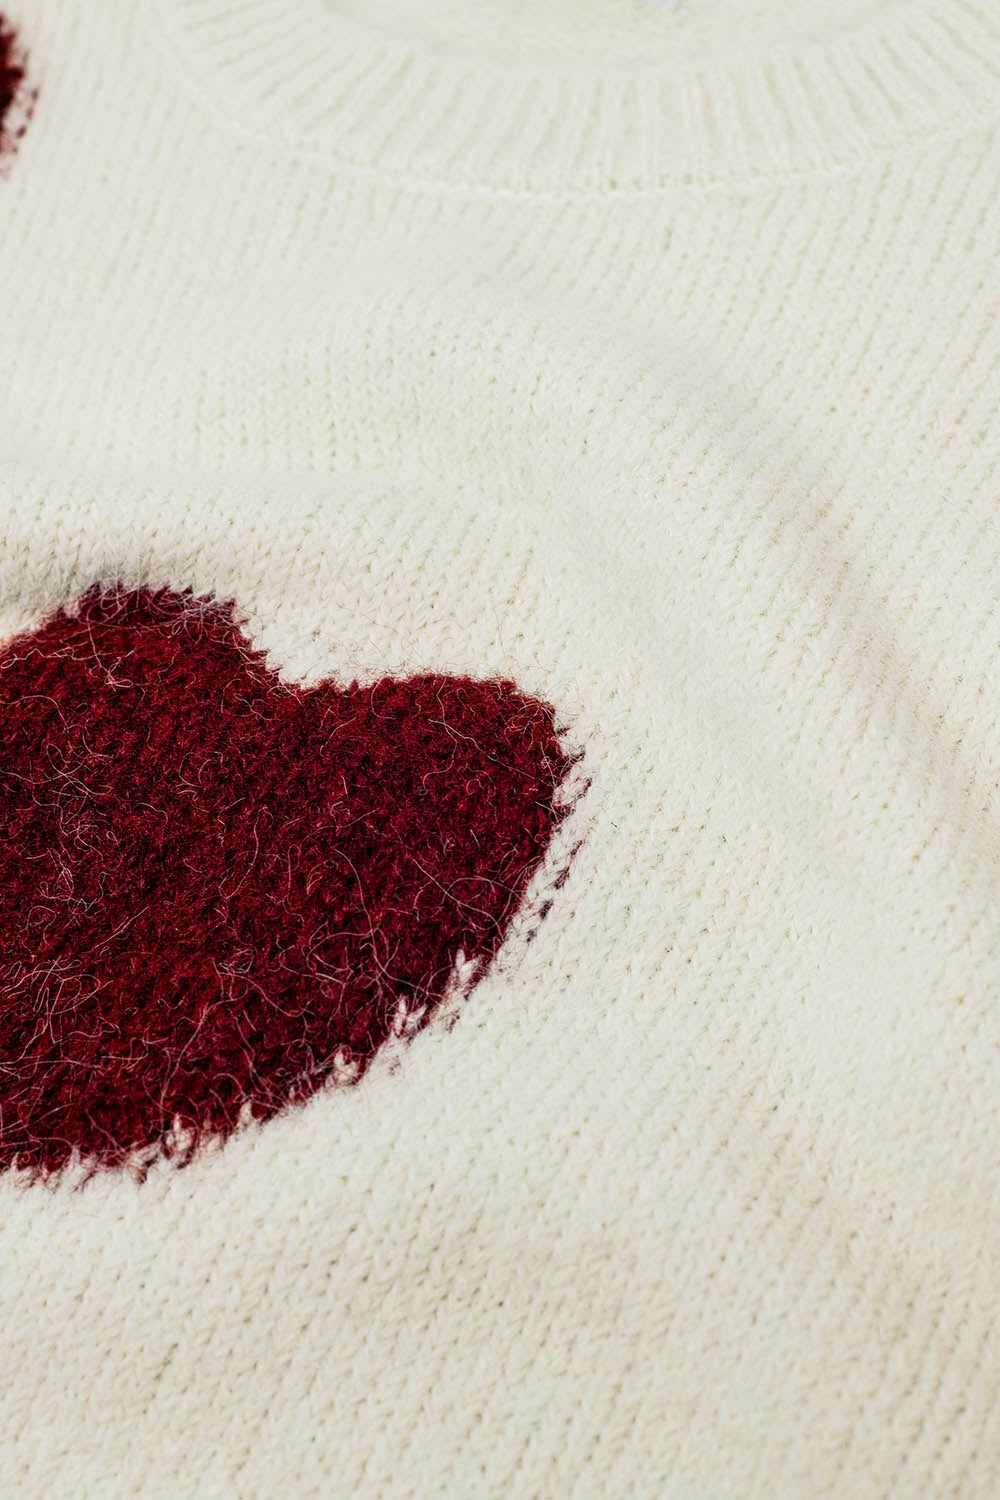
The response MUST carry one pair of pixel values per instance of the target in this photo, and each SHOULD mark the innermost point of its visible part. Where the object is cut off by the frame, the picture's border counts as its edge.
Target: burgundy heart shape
(15, 101)
(218, 890)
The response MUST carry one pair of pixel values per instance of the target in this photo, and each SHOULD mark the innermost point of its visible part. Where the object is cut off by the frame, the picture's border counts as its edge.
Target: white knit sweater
(648, 357)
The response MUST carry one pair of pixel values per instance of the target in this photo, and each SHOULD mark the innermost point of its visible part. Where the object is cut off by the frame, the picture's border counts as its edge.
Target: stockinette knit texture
(548, 447)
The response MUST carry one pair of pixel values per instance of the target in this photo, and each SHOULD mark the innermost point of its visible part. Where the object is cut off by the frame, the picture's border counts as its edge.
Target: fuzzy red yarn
(12, 78)
(219, 890)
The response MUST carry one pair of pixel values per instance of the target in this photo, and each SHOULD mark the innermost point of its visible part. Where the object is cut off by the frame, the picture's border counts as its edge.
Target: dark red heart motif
(15, 104)
(218, 891)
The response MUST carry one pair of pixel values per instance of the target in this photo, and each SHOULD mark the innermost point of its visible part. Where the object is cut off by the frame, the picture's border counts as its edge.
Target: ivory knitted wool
(648, 361)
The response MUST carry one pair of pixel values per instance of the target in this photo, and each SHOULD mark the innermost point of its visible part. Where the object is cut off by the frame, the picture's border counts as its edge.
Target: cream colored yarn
(651, 359)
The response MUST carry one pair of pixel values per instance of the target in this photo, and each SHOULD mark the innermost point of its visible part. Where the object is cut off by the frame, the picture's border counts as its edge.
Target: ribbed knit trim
(309, 79)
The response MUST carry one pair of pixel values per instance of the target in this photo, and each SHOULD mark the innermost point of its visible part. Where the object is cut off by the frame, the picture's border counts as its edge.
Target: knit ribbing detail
(311, 81)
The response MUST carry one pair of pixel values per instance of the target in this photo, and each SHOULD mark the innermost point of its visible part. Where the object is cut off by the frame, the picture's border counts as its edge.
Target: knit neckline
(315, 82)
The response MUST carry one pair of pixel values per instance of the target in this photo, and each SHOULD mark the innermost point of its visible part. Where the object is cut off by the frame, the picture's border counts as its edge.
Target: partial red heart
(218, 890)
(15, 98)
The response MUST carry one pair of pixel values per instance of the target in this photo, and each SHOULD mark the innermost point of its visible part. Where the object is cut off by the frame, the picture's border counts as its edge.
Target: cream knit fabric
(651, 360)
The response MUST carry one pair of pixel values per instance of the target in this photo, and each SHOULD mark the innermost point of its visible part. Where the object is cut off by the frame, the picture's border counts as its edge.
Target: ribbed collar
(311, 81)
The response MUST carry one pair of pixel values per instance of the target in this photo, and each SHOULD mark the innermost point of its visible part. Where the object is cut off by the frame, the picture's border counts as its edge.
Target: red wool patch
(218, 891)
(15, 104)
